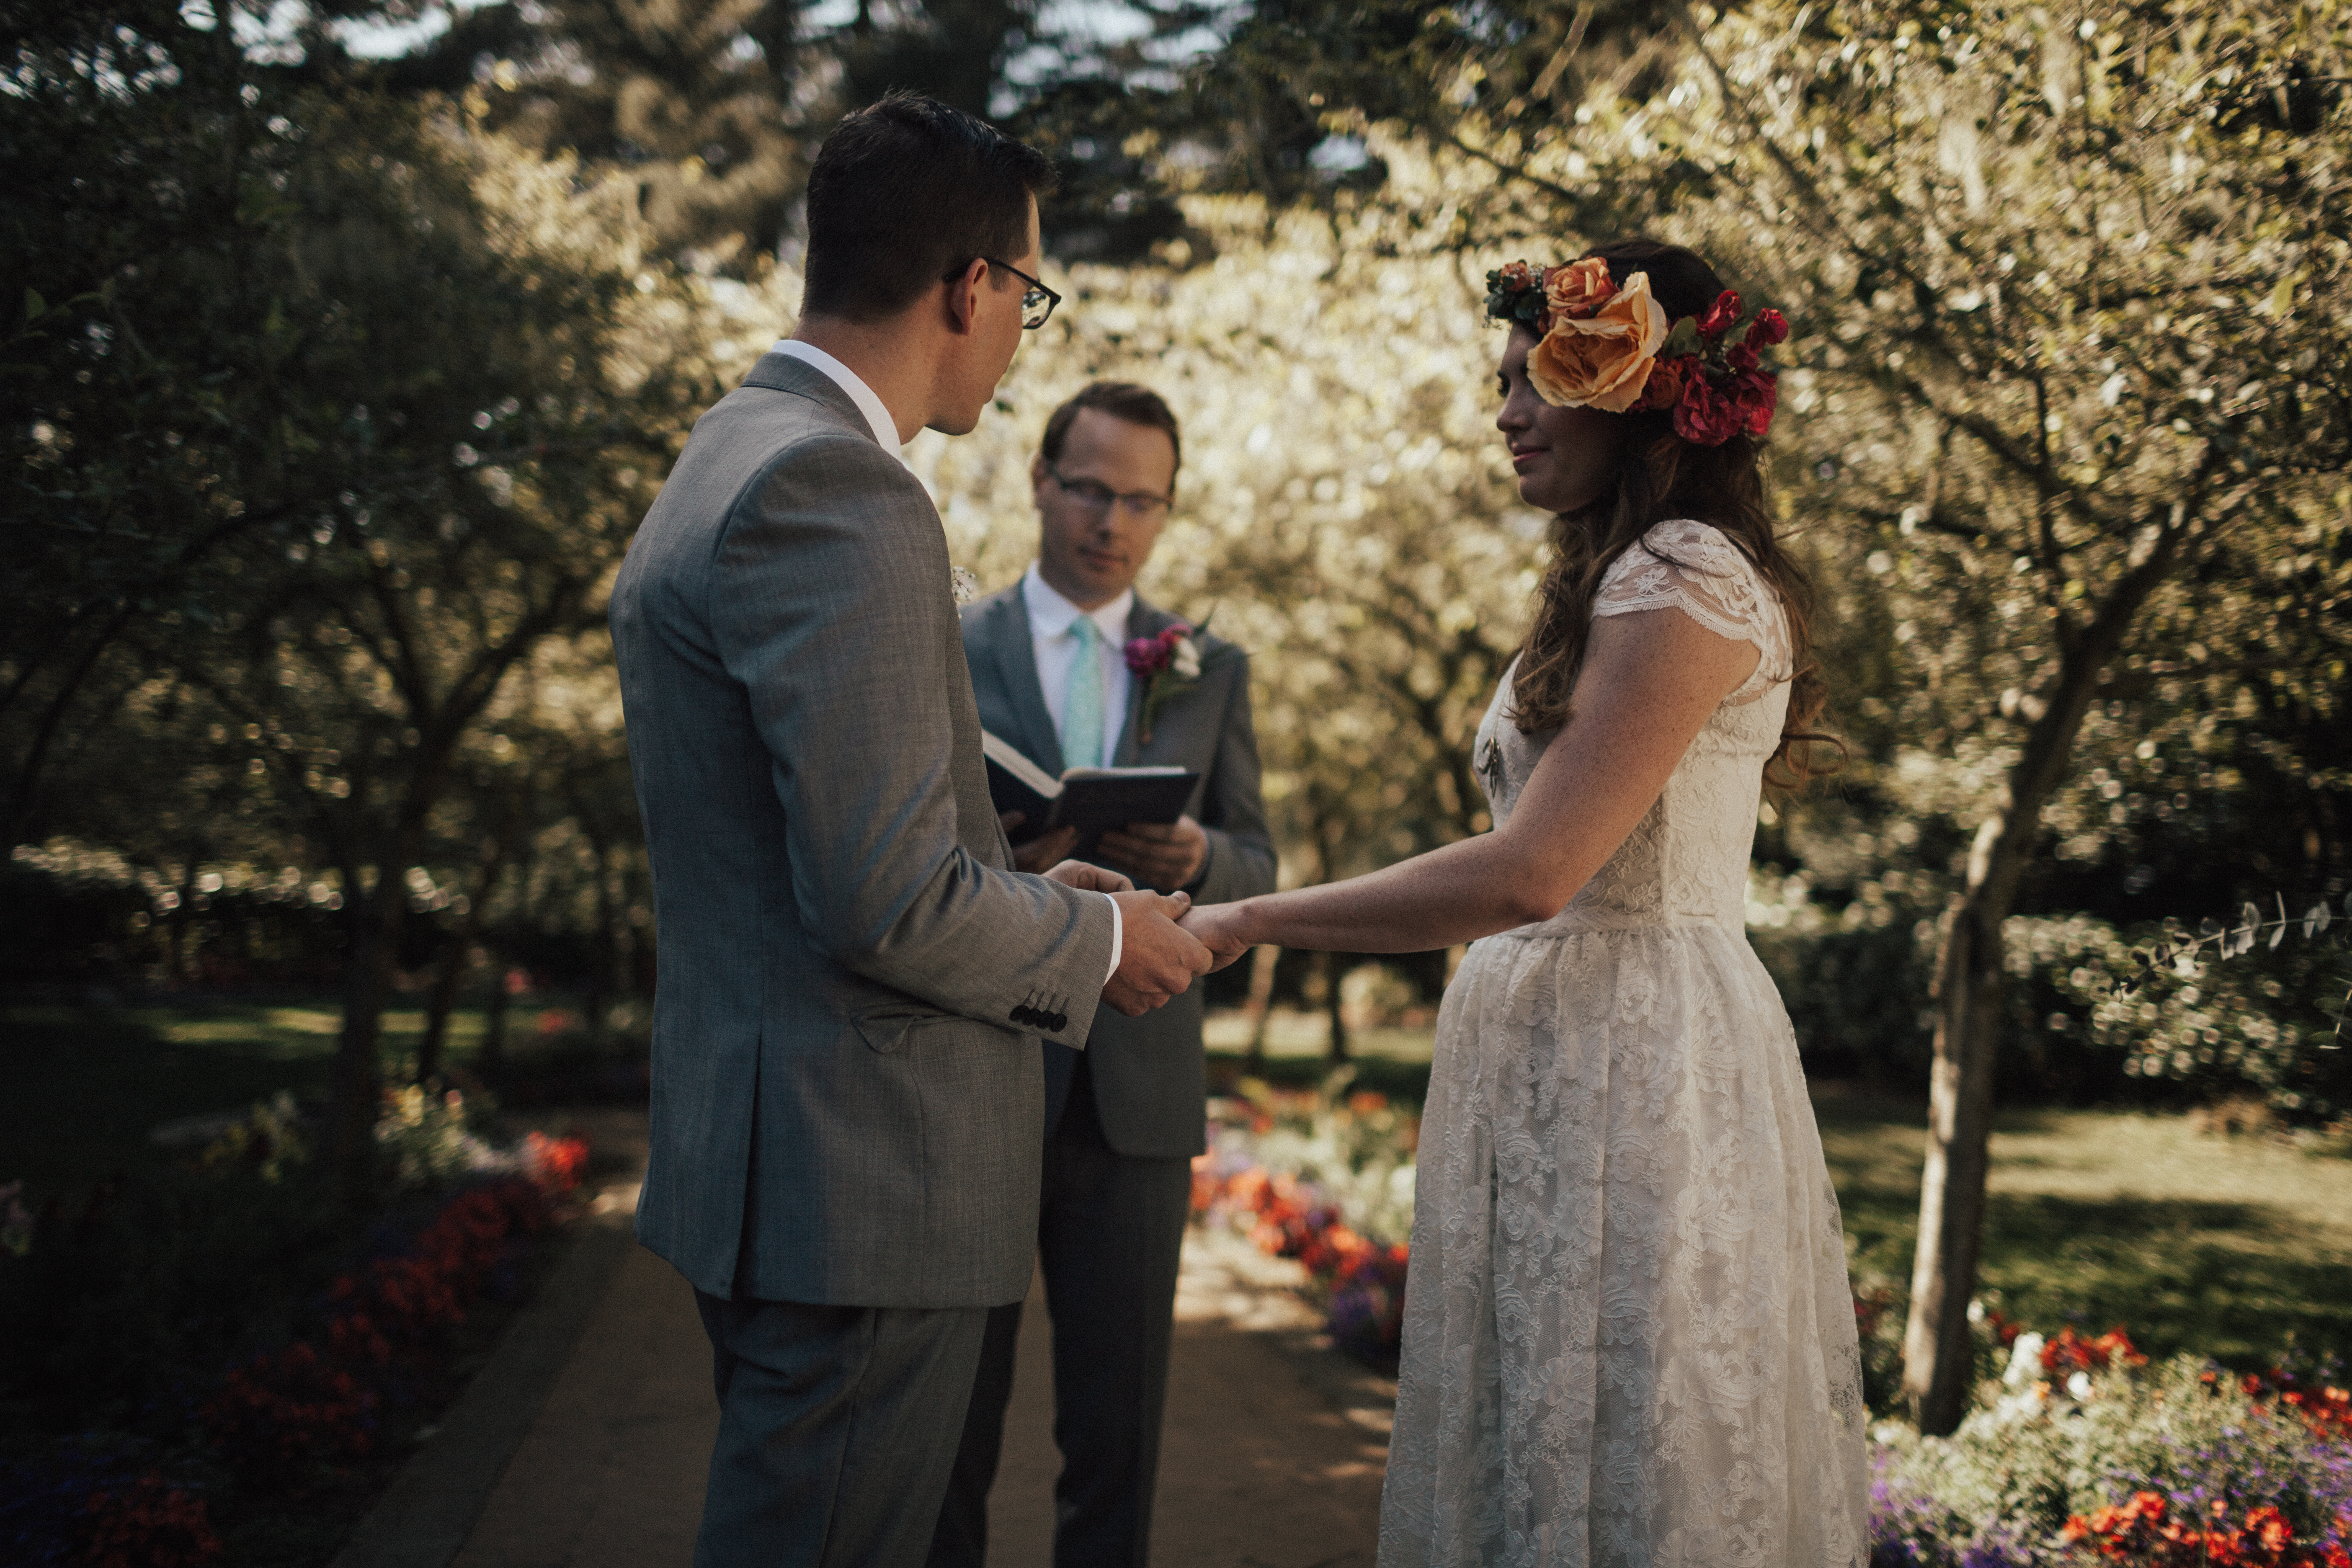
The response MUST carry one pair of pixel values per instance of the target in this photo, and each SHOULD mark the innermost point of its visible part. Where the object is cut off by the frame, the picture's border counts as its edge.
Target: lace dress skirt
(1629, 1337)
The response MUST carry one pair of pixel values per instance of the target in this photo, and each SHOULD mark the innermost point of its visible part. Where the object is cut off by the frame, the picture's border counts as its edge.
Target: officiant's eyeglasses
(1036, 304)
(1097, 497)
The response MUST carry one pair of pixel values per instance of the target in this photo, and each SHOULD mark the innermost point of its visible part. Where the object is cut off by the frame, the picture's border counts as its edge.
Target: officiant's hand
(1157, 958)
(1159, 854)
(1043, 852)
(1092, 878)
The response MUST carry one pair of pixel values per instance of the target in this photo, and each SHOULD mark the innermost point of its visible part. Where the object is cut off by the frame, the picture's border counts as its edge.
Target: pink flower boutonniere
(1166, 664)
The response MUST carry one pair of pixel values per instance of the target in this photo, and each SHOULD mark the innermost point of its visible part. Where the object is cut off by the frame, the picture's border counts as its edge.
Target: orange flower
(1605, 362)
(1578, 289)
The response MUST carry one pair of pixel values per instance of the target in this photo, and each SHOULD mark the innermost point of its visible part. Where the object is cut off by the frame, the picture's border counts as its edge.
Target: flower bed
(154, 1482)
(1326, 1177)
(2082, 1452)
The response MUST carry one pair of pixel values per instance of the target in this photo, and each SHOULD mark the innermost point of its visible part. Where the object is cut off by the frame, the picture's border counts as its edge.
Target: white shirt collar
(1050, 614)
(877, 414)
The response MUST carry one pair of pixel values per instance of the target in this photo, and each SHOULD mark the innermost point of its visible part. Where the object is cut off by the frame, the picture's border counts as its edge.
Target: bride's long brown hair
(1661, 477)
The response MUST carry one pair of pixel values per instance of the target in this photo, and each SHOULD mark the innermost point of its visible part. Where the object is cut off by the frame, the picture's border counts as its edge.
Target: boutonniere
(964, 585)
(1166, 664)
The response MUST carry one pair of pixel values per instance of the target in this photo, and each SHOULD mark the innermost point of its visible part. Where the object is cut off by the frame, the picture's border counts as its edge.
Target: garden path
(1272, 1458)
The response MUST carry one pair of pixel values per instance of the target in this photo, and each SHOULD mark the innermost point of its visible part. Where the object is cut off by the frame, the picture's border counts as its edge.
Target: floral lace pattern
(1629, 1338)
(1691, 568)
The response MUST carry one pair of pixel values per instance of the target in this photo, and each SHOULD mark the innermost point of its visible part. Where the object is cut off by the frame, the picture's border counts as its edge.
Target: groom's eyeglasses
(1038, 301)
(1097, 497)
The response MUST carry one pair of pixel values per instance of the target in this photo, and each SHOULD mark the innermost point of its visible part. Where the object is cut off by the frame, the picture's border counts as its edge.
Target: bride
(1628, 1337)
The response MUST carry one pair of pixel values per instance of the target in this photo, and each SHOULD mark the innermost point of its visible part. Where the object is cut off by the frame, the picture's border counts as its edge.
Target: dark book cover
(1092, 800)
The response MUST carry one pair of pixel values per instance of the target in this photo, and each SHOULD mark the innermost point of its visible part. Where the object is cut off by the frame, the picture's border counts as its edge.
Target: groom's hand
(1156, 957)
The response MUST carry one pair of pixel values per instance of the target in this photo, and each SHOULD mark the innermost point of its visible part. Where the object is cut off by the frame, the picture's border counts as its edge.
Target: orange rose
(1605, 362)
(1578, 288)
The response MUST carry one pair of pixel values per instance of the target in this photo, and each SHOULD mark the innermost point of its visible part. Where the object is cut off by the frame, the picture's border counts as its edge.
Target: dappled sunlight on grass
(2227, 1246)
(1291, 1032)
(87, 1084)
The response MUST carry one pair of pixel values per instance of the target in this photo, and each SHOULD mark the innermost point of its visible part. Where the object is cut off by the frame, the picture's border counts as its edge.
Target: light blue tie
(1082, 714)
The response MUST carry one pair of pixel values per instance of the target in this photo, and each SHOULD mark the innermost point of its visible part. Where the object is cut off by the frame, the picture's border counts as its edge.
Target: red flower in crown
(1705, 416)
(1706, 370)
(1755, 395)
(1721, 315)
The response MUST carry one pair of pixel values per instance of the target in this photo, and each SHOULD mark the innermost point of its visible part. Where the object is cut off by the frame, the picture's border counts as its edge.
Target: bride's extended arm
(1649, 682)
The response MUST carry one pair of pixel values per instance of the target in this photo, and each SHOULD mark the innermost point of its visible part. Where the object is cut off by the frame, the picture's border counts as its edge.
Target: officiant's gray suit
(847, 1085)
(1125, 1119)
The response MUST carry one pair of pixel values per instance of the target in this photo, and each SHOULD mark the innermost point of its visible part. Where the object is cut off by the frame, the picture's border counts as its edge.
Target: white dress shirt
(877, 414)
(886, 434)
(1051, 617)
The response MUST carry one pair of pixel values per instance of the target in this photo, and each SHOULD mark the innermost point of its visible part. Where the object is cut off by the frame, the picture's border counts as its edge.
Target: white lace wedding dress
(1629, 1338)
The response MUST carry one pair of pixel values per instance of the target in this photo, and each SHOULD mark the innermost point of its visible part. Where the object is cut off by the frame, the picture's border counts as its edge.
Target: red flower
(1755, 393)
(1771, 328)
(2071, 1352)
(149, 1525)
(1705, 416)
(1664, 387)
(1719, 315)
(555, 1163)
(1149, 656)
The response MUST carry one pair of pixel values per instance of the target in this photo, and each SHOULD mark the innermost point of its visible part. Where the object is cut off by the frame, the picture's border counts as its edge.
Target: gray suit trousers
(838, 1427)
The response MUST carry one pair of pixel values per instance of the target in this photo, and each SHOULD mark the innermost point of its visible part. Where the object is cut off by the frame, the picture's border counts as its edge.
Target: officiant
(1074, 670)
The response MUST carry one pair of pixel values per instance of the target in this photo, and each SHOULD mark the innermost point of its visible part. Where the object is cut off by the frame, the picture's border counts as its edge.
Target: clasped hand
(1158, 958)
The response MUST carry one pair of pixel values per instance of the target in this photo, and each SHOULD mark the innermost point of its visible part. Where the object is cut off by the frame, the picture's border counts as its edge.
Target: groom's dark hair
(905, 193)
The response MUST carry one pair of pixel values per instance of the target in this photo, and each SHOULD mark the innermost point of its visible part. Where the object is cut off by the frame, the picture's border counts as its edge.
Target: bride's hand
(1218, 927)
(1090, 878)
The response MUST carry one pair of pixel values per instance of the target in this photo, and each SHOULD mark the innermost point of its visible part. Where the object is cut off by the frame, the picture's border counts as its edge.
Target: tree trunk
(1261, 1002)
(1937, 1359)
(493, 1052)
(1332, 972)
(603, 956)
(359, 1064)
(452, 967)
(440, 1002)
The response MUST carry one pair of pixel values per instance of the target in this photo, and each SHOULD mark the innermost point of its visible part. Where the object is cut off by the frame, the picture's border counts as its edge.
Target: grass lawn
(84, 1086)
(1298, 1045)
(2233, 1247)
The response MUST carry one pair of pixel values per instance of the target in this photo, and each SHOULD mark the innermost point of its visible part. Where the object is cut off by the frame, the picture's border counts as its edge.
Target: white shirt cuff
(1118, 938)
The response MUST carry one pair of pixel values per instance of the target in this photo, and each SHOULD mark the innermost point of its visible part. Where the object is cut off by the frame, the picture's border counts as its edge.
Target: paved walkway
(1272, 1456)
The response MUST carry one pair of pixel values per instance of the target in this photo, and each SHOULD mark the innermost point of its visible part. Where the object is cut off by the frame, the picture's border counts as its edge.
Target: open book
(1089, 799)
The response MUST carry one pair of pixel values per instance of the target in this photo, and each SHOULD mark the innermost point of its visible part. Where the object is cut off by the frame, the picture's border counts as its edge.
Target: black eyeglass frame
(1029, 297)
(1139, 504)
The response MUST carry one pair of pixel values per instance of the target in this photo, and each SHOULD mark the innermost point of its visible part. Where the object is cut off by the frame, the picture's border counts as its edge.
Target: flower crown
(1601, 346)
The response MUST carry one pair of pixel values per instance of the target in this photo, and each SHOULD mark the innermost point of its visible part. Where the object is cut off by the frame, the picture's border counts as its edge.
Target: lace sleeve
(1691, 568)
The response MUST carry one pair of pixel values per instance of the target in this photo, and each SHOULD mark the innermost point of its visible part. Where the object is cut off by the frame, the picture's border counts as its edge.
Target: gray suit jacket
(1146, 1071)
(846, 1094)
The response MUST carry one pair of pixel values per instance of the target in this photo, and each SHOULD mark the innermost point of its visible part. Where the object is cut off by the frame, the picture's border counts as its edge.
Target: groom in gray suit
(1124, 1118)
(847, 1089)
